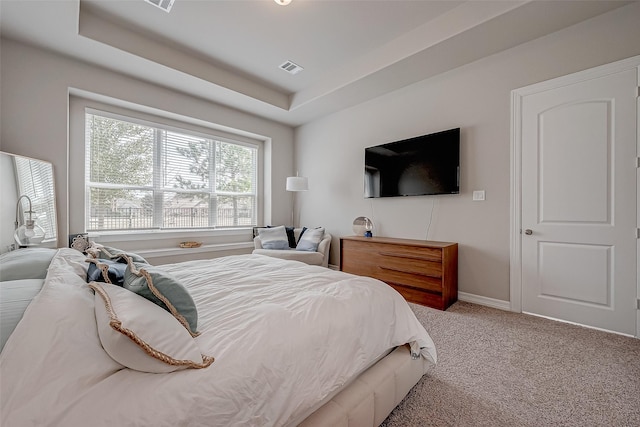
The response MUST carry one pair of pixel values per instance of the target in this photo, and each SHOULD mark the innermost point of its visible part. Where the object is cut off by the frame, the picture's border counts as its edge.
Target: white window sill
(150, 235)
(155, 243)
(163, 252)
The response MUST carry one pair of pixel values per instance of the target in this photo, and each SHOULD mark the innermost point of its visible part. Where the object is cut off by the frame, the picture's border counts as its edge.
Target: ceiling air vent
(165, 5)
(291, 67)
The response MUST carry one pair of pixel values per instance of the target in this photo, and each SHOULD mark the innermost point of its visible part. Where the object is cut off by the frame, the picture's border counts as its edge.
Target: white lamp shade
(297, 183)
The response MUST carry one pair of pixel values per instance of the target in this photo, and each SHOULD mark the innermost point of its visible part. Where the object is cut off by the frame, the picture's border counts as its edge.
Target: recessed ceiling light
(291, 67)
(165, 5)
(282, 2)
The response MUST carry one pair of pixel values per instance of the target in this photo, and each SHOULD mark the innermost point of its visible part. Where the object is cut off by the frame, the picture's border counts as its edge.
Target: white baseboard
(486, 301)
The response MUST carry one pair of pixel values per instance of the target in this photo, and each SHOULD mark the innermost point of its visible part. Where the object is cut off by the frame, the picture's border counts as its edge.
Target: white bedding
(285, 336)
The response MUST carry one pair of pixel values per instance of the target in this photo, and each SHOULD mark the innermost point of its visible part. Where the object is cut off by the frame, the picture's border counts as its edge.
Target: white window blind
(35, 179)
(144, 176)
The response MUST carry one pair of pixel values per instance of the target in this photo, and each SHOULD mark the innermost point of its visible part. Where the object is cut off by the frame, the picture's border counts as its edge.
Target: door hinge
(637, 233)
(638, 304)
(638, 92)
(637, 162)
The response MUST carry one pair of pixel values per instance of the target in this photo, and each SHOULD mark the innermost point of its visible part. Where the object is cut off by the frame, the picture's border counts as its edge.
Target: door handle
(528, 232)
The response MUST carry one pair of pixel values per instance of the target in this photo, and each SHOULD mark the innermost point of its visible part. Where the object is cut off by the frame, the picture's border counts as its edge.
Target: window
(141, 175)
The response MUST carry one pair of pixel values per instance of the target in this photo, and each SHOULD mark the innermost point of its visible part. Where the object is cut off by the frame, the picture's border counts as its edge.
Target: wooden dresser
(423, 271)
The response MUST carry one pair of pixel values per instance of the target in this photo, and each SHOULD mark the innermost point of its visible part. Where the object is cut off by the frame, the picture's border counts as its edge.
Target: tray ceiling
(230, 52)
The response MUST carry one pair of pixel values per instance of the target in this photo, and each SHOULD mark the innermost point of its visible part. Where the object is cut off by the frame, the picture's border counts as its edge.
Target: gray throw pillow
(164, 290)
(274, 238)
(310, 240)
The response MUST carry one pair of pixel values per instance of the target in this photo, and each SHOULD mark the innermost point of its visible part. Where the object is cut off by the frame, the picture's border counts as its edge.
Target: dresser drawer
(430, 299)
(411, 252)
(425, 261)
(405, 273)
(413, 280)
(410, 265)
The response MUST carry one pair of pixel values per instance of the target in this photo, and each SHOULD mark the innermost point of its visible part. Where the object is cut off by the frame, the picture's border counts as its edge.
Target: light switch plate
(478, 195)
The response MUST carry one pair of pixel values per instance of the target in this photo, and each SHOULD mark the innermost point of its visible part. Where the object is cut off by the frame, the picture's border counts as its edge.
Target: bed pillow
(30, 263)
(140, 335)
(310, 239)
(163, 289)
(106, 270)
(274, 238)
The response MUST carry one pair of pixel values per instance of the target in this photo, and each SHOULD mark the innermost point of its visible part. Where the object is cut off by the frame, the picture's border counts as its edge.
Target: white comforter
(285, 336)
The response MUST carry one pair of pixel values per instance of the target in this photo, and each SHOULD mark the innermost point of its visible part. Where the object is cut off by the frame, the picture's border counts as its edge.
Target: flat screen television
(424, 165)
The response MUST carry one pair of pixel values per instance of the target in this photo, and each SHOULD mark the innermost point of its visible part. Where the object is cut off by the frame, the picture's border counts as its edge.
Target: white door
(579, 189)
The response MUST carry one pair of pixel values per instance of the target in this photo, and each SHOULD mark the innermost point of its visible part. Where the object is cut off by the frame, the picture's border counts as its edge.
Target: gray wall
(35, 86)
(476, 98)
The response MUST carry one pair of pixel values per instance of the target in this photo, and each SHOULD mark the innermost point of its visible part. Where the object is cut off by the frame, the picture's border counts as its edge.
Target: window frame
(79, 105)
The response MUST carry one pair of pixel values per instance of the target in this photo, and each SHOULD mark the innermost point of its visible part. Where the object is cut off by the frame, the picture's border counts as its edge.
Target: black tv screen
(424, 165)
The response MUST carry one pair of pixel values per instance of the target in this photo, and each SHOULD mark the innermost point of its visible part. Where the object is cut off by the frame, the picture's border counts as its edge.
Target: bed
(282, 343)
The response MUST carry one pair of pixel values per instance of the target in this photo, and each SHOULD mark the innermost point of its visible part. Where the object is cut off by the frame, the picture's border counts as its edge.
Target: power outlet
(478, 195)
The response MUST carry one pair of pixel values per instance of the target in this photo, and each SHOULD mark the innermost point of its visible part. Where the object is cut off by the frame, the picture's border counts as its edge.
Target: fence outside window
(176, 218)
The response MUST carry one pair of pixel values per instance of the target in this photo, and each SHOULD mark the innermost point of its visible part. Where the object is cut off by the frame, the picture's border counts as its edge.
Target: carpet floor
(498, 368)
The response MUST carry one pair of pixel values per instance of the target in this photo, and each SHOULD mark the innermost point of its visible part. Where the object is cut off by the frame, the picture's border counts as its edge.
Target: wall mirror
(28, 208)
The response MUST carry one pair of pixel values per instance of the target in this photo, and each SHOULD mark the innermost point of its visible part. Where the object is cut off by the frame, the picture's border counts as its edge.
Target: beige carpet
(497, 368)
